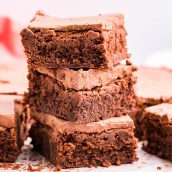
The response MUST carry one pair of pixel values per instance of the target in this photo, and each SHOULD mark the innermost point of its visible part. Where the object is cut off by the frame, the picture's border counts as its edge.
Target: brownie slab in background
(158, 130)
(89, 42)
(70, 145)
(9, 149)
(153, 87)
(48, 95)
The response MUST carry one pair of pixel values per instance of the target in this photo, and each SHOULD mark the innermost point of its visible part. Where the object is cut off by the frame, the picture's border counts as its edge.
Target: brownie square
(9, 149)
(48, 95)
(158, 130)
(13, 77)
(89, 42)
(87, 79)
(71, 145)
(153, 87)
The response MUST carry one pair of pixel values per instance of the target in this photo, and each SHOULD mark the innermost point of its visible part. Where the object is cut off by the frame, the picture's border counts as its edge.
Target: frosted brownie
(9, 149)
(48, 95)
(88, 42)
(70, 145)
(153, 87)
(158, 130)
(87, 79)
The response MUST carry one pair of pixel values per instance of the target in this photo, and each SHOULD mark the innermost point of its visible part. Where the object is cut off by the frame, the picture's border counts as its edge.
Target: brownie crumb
(159, 168)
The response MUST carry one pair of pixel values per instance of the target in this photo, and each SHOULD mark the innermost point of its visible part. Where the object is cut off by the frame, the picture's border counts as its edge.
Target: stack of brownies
(80, 96)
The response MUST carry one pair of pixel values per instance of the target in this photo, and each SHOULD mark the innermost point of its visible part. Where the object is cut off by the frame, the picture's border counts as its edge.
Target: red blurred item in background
(10, 37)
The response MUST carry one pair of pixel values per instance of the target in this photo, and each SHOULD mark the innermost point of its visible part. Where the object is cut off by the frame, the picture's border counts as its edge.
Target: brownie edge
(23, 121)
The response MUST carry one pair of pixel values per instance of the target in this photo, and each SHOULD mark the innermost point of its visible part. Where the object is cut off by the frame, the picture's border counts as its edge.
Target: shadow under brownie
(88, 42)
(158, 130)
(70, 145)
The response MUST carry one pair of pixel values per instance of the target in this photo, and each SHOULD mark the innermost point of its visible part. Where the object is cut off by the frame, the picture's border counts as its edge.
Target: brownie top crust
(153, 84)
(98, 23)
(62, 126)
(87, 80)
(7, 110)
(162, 112)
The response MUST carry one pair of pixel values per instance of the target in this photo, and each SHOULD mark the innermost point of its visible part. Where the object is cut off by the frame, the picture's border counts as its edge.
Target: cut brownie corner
(157, 124)
(9, 150)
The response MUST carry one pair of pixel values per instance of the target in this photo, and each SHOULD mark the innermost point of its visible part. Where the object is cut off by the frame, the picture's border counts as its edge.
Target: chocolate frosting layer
(61, 126)
(153, 84)
(162, 111)
(86, 80)
(41, 20)
(7, 110)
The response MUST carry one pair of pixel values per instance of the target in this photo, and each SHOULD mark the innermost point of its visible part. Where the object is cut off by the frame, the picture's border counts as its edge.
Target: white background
(148, 22)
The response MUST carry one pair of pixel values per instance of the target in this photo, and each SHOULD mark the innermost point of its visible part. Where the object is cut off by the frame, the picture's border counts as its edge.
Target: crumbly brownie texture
(90, 42)
(48, 95)
(153, 87)
(13, 77)
(71, 145)
(158, 130)
(8, 145)
(89, 79)
(23, 121)
(8, 142)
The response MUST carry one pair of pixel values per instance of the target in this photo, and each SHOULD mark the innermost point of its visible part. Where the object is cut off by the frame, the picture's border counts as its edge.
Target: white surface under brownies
(147, 163)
